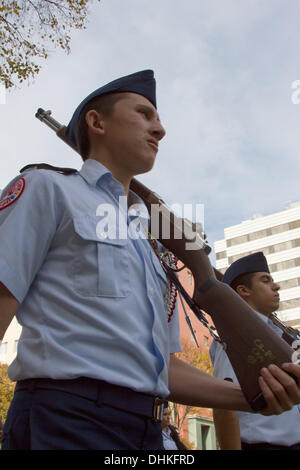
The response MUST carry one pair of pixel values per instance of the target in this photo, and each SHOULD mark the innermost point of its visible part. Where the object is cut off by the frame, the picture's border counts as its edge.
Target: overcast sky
(224, 71)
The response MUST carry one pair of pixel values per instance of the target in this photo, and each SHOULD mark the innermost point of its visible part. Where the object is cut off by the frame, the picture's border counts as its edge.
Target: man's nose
(158, 130)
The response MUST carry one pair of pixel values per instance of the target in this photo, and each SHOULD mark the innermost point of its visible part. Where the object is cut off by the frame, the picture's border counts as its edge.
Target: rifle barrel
(45, 116)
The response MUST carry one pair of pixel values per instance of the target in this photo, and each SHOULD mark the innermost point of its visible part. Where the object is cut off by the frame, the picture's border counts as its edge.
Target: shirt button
(151, 291)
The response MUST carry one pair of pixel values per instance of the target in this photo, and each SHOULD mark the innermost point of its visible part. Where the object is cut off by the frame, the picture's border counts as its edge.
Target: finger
(290, 381)
(282, 386)
(293, 369)
(273, 407)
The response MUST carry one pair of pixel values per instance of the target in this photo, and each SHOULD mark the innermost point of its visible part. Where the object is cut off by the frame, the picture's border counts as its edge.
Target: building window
(190, 277)
(221, 255)
(263, 233)
(237, 240)
(294, 224)
(202, 433)
(231, 259)
(280, 229)
(289, 283)
(268, 250)
(3, 348)
(282, 265)
(287, 304)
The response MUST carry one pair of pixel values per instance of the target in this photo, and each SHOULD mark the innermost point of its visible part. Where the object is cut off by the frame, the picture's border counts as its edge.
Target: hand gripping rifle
(250, 343)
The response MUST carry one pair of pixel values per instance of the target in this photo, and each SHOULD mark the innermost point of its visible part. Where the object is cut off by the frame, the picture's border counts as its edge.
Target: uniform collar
(92, 171)
(167, 432)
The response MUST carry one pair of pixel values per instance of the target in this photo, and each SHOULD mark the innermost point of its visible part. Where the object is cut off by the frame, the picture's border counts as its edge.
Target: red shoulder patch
(12, 194)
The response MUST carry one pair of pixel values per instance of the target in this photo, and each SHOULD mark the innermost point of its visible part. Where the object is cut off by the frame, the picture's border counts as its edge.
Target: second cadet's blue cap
(254, 263)
(142, 83)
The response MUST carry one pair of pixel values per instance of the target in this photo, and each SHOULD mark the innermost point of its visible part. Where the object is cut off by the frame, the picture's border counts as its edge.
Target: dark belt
(102, 393)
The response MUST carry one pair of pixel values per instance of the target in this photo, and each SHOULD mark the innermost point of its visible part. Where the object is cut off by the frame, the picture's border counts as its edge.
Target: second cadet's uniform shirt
(92, 302)
(168, 441)
(283, 429)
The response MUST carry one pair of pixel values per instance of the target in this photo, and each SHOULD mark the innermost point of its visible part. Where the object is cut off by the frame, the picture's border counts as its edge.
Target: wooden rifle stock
(250, 343)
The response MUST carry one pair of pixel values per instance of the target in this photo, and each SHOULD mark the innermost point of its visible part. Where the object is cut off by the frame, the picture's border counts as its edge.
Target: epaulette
(45, 166)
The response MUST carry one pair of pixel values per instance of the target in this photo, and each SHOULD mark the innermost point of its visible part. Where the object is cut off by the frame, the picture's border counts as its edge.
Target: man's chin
(144, 168)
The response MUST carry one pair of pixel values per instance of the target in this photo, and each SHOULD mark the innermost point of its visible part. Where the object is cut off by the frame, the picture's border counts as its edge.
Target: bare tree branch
(29, 27)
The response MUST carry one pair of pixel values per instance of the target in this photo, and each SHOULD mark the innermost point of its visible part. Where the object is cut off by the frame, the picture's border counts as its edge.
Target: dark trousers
(49, 419)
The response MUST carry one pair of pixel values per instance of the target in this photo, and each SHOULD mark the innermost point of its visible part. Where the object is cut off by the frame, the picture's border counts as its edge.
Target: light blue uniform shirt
(283, 429)
(168, 442)
(89, 305)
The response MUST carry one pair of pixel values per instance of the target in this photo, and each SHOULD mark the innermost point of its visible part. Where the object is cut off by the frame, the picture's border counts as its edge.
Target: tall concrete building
(278, 236)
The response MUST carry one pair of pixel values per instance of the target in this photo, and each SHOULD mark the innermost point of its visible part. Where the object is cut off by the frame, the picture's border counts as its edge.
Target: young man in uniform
(251, 279)
(95, 355)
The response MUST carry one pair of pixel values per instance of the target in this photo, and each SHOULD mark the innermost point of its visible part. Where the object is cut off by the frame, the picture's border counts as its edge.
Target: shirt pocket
(100, 265)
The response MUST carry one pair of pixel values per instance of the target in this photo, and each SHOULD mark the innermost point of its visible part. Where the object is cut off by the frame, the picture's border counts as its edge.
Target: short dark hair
(103, 104)
(244, 279)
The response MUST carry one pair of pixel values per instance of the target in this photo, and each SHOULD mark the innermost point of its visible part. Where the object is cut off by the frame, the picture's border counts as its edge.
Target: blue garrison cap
(142, 83)
(254, 263)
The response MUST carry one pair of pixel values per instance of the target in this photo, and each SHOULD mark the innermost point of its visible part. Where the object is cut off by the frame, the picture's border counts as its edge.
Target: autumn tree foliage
(7, 388)
(29, 28)
(199, 358)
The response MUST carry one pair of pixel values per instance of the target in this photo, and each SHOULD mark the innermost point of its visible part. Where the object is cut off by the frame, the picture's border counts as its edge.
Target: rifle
(250, 343)
(289, 334)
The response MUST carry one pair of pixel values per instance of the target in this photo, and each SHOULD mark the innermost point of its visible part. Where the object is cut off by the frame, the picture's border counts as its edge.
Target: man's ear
(243, 290)
(95, 122)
